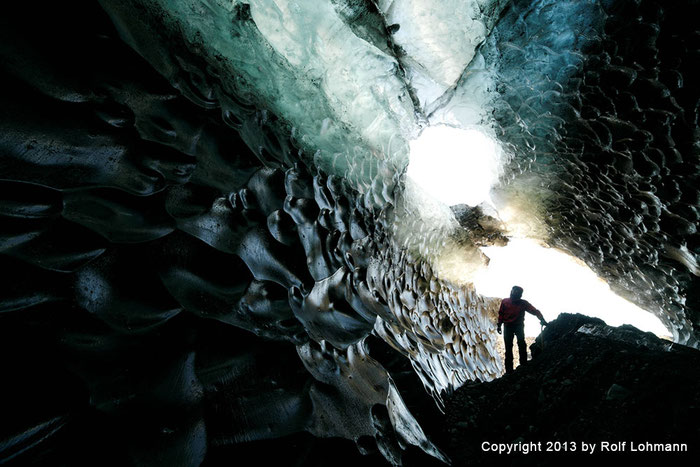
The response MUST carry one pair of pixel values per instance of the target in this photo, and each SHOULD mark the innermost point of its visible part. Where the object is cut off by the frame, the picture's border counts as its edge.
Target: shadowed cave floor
(621, 385)
(591, 382)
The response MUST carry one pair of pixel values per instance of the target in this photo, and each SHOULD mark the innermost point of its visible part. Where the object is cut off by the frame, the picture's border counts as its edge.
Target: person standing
(511, 314)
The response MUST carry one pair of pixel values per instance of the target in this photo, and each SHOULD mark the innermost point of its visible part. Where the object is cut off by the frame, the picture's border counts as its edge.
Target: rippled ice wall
(237, 202)
(168, 263)
(339, 79)
(592, 100)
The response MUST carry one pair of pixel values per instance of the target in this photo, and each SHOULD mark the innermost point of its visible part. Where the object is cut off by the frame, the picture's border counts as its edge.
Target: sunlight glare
(555, 282)
(456, 166)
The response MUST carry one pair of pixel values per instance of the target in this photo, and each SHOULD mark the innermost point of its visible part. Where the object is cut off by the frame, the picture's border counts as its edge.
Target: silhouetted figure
(512, 315)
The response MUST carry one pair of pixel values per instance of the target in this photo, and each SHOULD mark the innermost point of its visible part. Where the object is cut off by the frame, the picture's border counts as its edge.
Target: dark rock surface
(590, 382)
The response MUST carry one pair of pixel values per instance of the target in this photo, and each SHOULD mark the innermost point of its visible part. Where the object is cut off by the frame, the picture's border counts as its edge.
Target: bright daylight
(459, 166)
(455, 166)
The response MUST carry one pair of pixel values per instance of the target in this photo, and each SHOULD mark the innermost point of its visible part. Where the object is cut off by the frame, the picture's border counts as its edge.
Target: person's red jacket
(511, 312)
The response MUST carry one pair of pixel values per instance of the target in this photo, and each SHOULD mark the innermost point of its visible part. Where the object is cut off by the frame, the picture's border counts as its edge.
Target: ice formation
(220, 185)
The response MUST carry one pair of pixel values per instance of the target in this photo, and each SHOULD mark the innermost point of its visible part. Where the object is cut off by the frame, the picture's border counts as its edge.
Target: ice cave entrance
(460, 166)
(455, 165)
(556, 282)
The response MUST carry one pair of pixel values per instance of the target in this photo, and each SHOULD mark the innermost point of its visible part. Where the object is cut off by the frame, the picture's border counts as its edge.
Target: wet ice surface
(236, 201)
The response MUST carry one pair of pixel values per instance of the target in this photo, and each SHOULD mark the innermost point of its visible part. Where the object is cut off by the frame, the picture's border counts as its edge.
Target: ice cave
(278, 232)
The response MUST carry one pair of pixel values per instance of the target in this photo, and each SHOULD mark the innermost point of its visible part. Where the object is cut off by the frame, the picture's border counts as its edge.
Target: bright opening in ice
(555, 282)
(454, 165)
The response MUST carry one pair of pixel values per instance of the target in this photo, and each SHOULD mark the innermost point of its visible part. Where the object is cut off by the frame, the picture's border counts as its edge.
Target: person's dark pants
(510, 330)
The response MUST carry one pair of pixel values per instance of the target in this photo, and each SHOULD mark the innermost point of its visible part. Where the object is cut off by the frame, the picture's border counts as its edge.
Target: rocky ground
(588, 383)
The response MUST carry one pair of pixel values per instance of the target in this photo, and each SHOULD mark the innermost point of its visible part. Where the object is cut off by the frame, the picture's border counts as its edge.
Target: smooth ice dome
(455, 166)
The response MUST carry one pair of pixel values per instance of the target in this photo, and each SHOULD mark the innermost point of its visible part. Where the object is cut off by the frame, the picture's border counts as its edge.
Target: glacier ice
(235, 198)
(438, 40)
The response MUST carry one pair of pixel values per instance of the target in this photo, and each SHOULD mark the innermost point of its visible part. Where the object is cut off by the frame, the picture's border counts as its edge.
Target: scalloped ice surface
(593, 101)
(225, 195)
